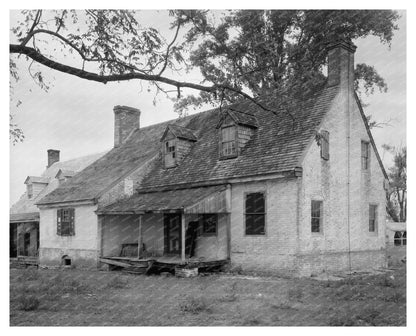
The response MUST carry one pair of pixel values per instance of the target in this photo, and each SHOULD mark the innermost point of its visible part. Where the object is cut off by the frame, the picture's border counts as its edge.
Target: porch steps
(23, 262)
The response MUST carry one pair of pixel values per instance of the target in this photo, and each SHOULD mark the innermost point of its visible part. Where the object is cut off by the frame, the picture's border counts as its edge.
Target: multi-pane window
(170, 148)
(372, 221)
(325, 145)
(170, 153)
(65, 222)
(228, 141)
(209, 224)
(400, 238)
(316, 216)
(255, 213)
(365, 155)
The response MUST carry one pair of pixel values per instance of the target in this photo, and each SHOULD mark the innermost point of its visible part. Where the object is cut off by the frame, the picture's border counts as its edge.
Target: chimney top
(126, 120)
(343, 43)
(53, 156)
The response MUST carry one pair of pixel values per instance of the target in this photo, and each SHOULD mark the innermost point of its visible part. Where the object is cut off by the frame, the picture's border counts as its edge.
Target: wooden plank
(183, 237)
(139, 241)
(115, 263)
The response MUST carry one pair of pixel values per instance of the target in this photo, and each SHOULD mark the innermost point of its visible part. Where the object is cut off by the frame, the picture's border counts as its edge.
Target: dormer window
(176, 143)
(235, 129)
(228, 141)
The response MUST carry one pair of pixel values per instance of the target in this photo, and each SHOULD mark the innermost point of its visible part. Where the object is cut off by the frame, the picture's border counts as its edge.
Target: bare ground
(72, 297)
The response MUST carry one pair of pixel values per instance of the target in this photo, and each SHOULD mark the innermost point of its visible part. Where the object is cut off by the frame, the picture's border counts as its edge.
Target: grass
(107, 298)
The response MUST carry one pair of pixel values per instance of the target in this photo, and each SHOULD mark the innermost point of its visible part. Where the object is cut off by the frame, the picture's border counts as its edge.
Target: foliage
(396, 195)
(194, 305)
(239, 53)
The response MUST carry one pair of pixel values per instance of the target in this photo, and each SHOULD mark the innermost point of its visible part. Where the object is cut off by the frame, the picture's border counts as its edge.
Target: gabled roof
(179, 132)
(25, 205)
(65, 173)
(275, 146)
(37, 179)
(239, 117)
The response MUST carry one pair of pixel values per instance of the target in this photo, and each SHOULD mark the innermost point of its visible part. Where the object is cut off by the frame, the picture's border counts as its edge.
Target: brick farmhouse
(242, 184)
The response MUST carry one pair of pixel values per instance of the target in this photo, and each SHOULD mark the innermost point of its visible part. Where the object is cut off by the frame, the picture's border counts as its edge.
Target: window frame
(374, 206)
(264, 193)
(321, 216)
(222, 142)
(29, 190)
(203, 222)
(365, 155)
(325, 145)
(69, 223)
(167, 151)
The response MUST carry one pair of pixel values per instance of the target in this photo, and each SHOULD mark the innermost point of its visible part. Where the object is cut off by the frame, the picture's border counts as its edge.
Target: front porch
(163, 230)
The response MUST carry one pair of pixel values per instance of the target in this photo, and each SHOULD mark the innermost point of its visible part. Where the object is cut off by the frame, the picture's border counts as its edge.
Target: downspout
(348, 163)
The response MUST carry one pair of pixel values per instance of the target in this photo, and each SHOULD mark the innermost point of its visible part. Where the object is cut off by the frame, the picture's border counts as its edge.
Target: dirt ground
(96, 298)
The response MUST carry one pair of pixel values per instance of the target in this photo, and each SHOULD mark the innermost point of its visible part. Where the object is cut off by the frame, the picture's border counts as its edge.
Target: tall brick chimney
(126, 119)
(341, 63)
(53, 156)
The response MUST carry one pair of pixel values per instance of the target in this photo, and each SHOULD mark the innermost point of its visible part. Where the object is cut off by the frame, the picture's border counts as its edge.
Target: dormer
(64, 174)
(34, 185)
(176, 143)
(235, 128)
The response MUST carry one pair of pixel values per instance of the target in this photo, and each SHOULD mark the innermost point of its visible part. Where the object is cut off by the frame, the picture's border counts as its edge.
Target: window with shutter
(255, 213)
(228, 142)
(66, 222)
(325, 145)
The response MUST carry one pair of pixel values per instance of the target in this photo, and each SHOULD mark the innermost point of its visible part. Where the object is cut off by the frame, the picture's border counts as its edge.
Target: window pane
(255, 203)
(255, 224)
(315, 226)
(210, 223)
(372, 218)
(316, 216)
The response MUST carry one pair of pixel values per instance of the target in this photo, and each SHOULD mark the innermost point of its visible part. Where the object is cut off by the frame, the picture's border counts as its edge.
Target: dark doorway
(172, 228)
(13, 240)
(26, 243)
(190, 238)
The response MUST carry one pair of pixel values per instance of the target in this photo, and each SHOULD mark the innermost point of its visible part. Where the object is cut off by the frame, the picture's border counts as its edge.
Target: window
(29, 188)
(65, 222)
(316, 216)
(228, 141)
(170, 153)
(209, 224)
(365, 155)
(372, 224)
(325, 145)
(400, 238)
(255, 213)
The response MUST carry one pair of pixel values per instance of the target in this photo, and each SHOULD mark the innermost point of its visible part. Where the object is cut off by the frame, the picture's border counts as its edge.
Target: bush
(28, 302)
(194, 305)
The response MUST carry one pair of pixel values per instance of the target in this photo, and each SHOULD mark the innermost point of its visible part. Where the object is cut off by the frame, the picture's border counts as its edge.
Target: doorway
(172, 233)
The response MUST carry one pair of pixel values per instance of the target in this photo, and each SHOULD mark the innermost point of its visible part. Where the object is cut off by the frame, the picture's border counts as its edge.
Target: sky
(76, 116)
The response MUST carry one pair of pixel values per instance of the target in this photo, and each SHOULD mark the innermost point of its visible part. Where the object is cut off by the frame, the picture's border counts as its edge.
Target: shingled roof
(180, 132)
(25, 206)
(276, 146)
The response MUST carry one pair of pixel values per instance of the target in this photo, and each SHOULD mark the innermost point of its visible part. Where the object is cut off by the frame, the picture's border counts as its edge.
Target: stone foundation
(55, 257)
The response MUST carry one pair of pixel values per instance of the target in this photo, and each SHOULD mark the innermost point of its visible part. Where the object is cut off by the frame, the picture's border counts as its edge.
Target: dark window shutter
(325, 145)
(59, 221)
(72, 222)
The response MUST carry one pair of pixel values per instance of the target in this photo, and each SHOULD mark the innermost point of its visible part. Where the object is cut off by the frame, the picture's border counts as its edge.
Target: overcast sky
(76, 116)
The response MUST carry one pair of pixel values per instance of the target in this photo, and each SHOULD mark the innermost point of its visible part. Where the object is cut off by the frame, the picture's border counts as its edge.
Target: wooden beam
(140, 239)
(183, 237)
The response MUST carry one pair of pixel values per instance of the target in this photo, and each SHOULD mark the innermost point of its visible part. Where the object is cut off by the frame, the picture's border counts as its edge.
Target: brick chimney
(341, 63)
(53, 156)
(126, 119)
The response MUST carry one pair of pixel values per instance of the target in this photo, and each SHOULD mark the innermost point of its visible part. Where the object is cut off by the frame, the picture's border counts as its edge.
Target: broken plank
(115, 263)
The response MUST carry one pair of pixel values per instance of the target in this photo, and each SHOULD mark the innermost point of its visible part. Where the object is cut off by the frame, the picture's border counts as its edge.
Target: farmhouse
(24, 214)
(263, 190)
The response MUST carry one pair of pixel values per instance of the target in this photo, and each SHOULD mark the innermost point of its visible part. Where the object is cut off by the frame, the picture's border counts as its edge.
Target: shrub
(28, 302)
(194, 305)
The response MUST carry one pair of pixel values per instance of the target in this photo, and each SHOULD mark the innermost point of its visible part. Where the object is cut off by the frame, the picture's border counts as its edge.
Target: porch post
(183, 237)
(139, 241)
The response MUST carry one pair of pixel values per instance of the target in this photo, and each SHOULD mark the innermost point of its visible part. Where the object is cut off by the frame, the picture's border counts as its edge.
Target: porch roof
(211, 199)
(24, 217)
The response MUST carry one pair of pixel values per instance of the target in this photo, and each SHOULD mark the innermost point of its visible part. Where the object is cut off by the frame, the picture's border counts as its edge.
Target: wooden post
(183, 237)
(140, 239)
